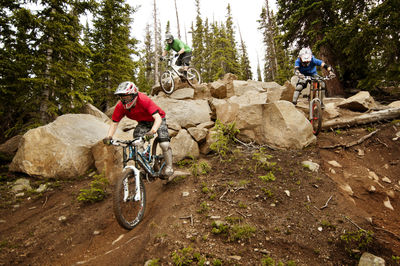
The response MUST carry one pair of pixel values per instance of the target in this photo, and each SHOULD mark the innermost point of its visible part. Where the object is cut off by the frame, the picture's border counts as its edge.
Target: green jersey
(177, 45)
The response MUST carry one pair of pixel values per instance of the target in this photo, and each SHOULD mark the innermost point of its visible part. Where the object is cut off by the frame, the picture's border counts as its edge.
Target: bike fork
(310, 115)
(137, 183)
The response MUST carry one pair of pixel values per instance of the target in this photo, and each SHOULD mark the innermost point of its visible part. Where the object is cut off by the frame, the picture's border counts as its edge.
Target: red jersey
(142, 111)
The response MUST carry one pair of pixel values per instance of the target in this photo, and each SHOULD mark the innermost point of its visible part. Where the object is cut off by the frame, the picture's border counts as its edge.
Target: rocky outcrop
(360, 102)
(61, 149)
(261, 111)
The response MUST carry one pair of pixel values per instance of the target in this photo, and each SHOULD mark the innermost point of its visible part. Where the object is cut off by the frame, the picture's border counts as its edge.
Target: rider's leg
(163, 135)
(167, 152)
(186, 61)
(299, 87)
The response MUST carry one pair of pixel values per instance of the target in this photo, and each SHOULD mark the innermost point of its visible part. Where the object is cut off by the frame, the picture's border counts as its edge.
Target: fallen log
(387, 114)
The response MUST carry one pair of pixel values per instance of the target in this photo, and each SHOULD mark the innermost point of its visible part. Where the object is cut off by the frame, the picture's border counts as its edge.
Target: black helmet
(169, 38)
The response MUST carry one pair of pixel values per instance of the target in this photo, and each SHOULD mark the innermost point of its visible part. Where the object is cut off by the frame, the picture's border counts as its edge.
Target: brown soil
(294, 230)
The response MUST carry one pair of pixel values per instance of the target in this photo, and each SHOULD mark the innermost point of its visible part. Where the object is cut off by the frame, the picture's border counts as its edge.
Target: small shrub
(217, 262)
(267, 192)
(242, 205)
(263, 160)
(203, 207)
(224, 136)
(241, 232)
(186, 256)
(201, 168)
(220, 228)
(268, 177)
(328, 225)
(360, 240)
(267, 261)
(154, 262)
(96, 192)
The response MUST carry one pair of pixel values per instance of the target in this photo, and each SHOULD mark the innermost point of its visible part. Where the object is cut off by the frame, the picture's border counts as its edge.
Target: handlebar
(135, 142)
(320, 77)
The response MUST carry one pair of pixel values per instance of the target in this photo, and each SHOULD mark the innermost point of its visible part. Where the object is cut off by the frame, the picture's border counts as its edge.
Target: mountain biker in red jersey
(306, 65)
(184, 52)
(150, 117)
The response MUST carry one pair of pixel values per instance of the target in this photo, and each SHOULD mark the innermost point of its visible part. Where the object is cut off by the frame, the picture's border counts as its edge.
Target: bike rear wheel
(159, 162)
(316, 117)
(167, 82)
(128, 212)
(193, 76)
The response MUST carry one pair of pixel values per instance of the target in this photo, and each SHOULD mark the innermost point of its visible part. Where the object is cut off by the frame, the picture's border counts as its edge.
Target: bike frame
(315, 91)
(171, 64)
(143, 159)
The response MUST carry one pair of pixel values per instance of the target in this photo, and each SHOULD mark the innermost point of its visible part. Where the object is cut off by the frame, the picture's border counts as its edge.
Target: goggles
(125, 99)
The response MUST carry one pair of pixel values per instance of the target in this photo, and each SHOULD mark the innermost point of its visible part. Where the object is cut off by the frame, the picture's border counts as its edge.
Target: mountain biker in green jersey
(184, 52)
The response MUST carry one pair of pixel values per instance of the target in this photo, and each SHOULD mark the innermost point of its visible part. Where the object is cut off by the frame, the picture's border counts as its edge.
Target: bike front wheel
(193, 76)
(316, 117)
(167, 82)
(128, 204)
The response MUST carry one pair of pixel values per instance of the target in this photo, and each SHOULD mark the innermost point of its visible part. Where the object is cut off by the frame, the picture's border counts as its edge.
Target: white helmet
(305, 56)
(127, 92)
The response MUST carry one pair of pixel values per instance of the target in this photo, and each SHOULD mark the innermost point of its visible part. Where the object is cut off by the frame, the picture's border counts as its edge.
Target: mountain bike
(315, 101)
(129, 195)
(167, 78)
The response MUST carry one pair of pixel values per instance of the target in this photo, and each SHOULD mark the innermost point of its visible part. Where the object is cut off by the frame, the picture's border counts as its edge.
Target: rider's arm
(164, 53)
(112, 129)
(326, 66)
(181, 51)
(156, 124)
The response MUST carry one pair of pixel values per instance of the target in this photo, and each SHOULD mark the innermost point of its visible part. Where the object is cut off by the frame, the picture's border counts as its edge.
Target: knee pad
(164, 146)
(299, 87)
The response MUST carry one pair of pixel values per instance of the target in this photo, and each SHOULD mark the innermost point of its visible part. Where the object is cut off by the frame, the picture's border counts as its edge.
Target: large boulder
(10, 147)
(187, 113)
(61, 149)
(183, 146)
(278, 124)
(360, 102)
(93, 110)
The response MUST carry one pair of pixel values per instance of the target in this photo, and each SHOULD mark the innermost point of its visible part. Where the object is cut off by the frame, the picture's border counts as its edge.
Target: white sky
(245, 14)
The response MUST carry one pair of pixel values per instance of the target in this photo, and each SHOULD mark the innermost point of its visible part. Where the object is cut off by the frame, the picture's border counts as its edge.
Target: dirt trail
(288, 227)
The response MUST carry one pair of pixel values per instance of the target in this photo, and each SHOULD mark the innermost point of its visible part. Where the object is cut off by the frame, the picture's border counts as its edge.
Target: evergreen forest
(52, 64)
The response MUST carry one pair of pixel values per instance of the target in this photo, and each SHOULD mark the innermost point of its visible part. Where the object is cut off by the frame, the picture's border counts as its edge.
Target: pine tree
(18, 29)
(308, 23)
(245, 69)
(145, 76)
(60, 72)
(198, 38)
(112, 48)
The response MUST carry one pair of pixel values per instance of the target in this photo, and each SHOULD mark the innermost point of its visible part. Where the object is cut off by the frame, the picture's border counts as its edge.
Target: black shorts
(184, 59)
(145, 126)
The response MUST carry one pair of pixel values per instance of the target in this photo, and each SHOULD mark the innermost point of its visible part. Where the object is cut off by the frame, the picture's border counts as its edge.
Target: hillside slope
(290, 215)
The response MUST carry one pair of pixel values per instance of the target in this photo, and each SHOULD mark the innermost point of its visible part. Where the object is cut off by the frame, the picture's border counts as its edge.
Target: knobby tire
(130, 213)
(193, 77)
(167, 82)
(316, 117)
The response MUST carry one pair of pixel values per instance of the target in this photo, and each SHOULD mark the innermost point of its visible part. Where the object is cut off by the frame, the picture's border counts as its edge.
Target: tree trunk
(156, 52)
(177, 21)
(333, 86)
(362, 119)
